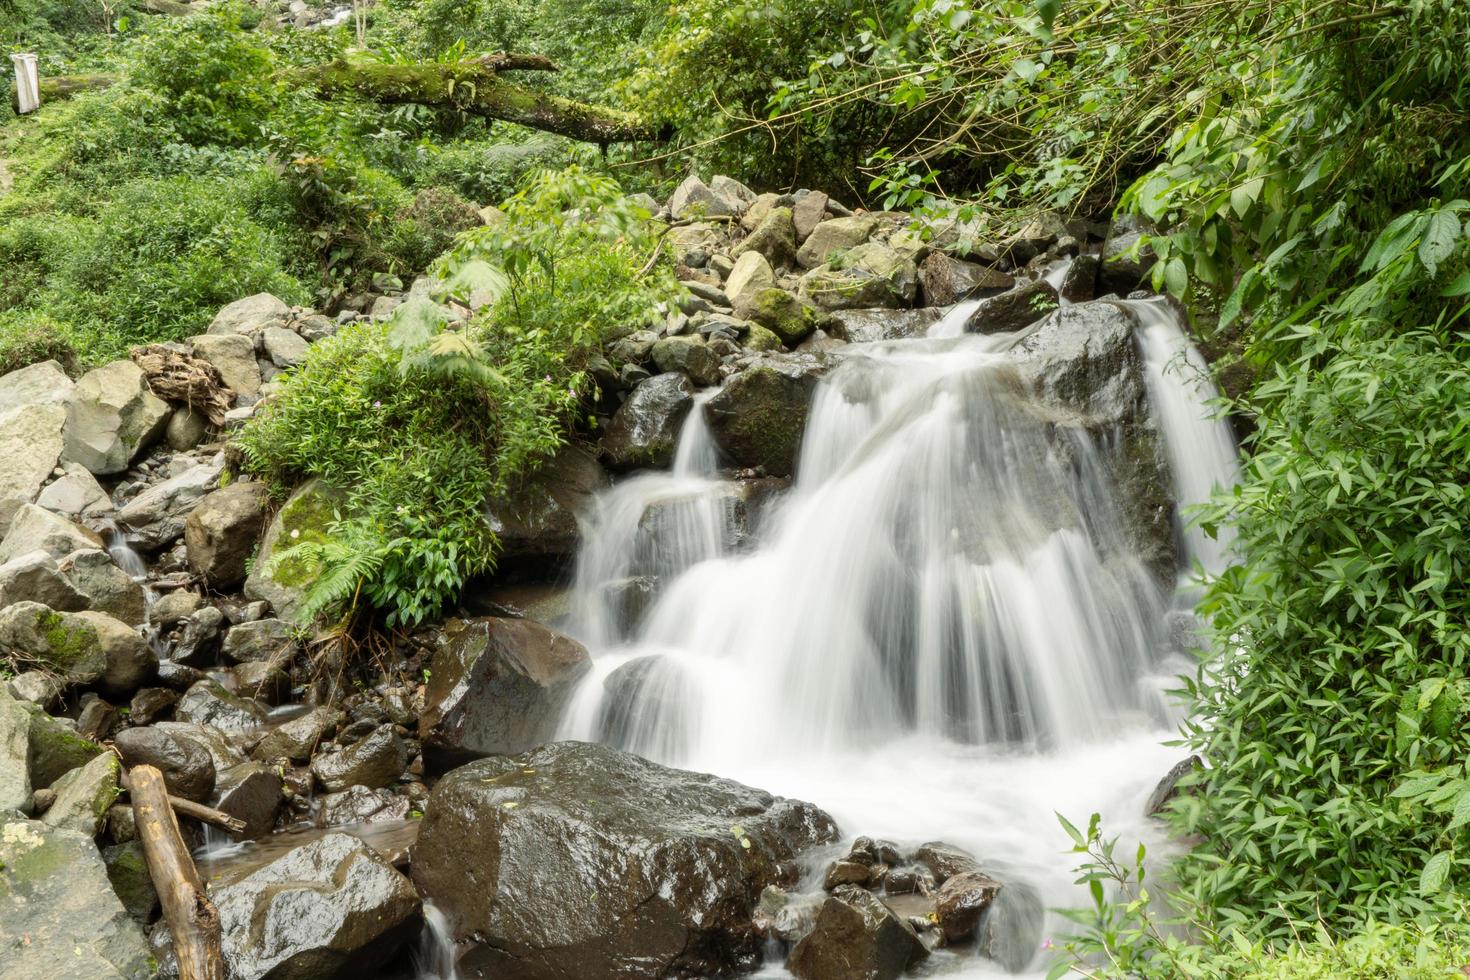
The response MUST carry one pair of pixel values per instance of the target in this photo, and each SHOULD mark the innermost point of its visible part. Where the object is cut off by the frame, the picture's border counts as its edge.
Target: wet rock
(252, 792)
(127, 871)
(112, 417)
(868, 325)
(59, 917)
(537, 521)
(233, 356)
(1014, 310)
(856, 937)
(261, 640)
(945, 860)
(155, 518)
(329, 909)
(374, 761)
(298, 738)
(497, 687)
(962, 900)
(15, 742)
(187, 768)
(83, 796)
(358, 804)
(198, 644)
(263, 681)
(577, 860)
(1010, 931)
(789, 918)
(152, 704)
(1126, 261)
(175, 607)
(644, 431)
(97, 717)
(221, 532)
(220, 746)
(1079, 285)
(944, 280)
(845, 873)
(1168, 788)
(645, 706)
(305, 517)
(835, 235)
(758, 417)
(689, 356)
(33, 529)
(208, 703)
(251, 316)
(774, 238)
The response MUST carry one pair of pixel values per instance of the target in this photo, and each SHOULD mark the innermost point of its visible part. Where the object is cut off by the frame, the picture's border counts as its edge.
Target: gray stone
(129, 661)
(644, 431)
(1126, 259)
(962, 900)
(186, 429)
(867, 326)
(35, 578)
(112, 417)
(39, 687)
(127, 871)
(835, 235)
(155, 518)
(263, 681)
(758, 417)
(259, 640)
(751, 272)
(1014, 310)
(83, 796)
(219, 745)
(208, 703)
(251, 316)
(105, 587)
(15, 752)
(497, 687)
(577, 860)
(536, 520)
(306, 516)
(250, 792)
(174, 607)
(77, 494)
(694, 198)
(807, 213)
(59, 917)
(31, 443)
(42, 383)
(233, 356)
(944, 280)
(285, 348)
(775, 238)
(61, 643)
(34, 529)
(374, 761)
(867, 275)
(221, 532)
(688, 356)
(359, 805)
(198, 642)
(298, 738)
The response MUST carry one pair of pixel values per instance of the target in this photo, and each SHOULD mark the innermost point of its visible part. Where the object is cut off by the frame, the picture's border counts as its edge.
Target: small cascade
(122, 552)
(1200, 444)
(434, 959)
(952, 324)
(1056, 274)
(697, 455)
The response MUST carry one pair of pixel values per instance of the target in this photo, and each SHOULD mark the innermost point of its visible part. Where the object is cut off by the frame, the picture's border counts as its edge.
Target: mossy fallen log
(61, 87)
(475, 86)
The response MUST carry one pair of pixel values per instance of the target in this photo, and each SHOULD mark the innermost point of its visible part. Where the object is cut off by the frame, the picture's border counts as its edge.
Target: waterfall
(938, 632)
(434, 959)
(1199, 442)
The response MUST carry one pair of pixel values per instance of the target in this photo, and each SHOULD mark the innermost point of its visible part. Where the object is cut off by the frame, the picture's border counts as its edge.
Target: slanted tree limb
(475, 86)
(192, 919)
(200, 812)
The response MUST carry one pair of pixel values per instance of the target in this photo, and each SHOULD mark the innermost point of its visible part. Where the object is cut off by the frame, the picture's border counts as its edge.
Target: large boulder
(695, 199)
(833, 236)
(758, 417)
(375, 760)
(208, 703)
(42, 383)
(112, 417)
(1013, 310)
(220, 533)
(105, 587)
(576, 860)
(59, 917)
(306, 516)
(79, 647)
(35, 578)
(233, 356)
(856, 937)
(298, 738)
(867, 326)
(187, 768)
(155, 518)
(944, 280)
(34, 529)
(331, 908)
(83, 796)
(252, 792)
(1126, 257)
(537, 520)
(751, 273)
(56, 748)
(689, 356)
(31, 443)
(498, 687)
(774, 237)
(780, 312)
(251, 316)
(644, 431)
(15, 753)
(76, 493)
(871, 274)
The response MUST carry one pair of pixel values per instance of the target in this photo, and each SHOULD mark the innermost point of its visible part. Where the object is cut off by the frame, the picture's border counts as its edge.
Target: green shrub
(487, 170)
(424, 230)
(27, 337)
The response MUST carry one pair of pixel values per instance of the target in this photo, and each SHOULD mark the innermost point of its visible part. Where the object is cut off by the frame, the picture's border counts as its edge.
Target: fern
(340, 566)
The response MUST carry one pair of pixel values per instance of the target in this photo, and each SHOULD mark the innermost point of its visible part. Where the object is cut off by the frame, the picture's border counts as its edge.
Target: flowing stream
(937, 632)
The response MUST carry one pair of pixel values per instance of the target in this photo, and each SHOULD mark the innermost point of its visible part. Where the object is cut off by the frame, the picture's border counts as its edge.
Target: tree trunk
(475, 87)
(192, 919)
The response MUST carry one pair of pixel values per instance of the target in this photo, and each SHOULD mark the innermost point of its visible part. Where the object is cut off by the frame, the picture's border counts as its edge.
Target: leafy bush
(422, 418)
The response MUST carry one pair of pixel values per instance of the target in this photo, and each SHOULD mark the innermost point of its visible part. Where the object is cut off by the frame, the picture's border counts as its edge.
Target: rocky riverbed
(143, 621)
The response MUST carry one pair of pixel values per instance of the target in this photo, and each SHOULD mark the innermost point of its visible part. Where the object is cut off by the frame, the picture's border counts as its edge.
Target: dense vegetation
(1305, 168)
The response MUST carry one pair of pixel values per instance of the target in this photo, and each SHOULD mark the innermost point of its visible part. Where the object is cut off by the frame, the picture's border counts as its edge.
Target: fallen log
(62, 87)
(192, 919)
(200, 812)
(475, 86)
(176, 376)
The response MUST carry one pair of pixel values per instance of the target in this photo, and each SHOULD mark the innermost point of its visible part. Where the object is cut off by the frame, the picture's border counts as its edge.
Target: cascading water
(938, 632)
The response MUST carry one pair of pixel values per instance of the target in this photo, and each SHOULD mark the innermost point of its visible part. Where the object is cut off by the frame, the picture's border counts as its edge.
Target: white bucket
(27, 83)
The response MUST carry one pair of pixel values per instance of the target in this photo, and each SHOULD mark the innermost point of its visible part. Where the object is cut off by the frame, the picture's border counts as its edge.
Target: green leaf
(474, 278)
(1459, 287)
(415, 322)
(1176, 276)
(1047, 10)
(1072, 831)
(1439, 239)
(1436, 873)
(1461, 814)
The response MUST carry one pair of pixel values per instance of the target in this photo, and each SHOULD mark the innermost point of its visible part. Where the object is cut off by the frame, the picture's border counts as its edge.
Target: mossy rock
(83, 796)
(305, 518)
(761, 339)
(55, 748)
(780, 312)
(62, 643)
(758, 418)
(128, 871)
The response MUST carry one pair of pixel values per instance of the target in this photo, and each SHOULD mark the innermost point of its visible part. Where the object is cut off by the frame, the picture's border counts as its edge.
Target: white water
(434, 958)
(937, 633)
